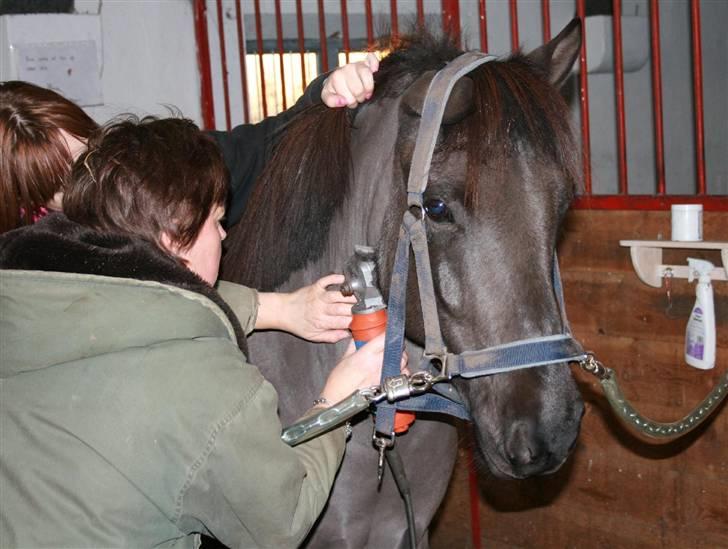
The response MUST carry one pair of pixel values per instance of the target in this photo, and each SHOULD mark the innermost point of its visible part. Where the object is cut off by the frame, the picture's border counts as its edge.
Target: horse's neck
(360, 218)
(358, 221)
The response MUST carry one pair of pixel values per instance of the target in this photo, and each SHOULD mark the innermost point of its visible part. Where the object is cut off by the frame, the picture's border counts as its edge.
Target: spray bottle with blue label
(700, 332)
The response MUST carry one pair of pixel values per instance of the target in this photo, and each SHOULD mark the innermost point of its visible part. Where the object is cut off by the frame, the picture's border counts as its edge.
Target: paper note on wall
(69, 68)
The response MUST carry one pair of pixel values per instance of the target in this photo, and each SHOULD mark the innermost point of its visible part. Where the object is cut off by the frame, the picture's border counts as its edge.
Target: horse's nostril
(522, 447)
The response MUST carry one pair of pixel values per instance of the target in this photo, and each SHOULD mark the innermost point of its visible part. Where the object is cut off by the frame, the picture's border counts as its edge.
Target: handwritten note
(69, 68)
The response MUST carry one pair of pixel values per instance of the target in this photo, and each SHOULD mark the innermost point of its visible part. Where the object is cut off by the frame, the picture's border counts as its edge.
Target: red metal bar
(514, 24)
(483, 26)
(393, 18)
(656, 62)
(207, 105)
(370, 29)
(420, 13)
(223, 62)
(261, 68)
(451, 18)
(301, 44)
(474, 500)
(279, 41)
(619, 93)
(648, 202)
(546, 22)
(345, 29)
(241, 54)
(698, 93)
(322, 36)
(584, 97)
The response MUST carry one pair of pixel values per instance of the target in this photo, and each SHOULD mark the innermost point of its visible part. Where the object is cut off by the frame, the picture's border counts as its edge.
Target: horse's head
(501, 180)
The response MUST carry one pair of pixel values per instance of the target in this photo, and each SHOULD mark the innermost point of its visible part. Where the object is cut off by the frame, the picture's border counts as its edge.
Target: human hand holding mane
(351, 84)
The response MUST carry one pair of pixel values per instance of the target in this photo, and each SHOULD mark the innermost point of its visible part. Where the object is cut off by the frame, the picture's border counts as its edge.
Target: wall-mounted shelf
(647, 259)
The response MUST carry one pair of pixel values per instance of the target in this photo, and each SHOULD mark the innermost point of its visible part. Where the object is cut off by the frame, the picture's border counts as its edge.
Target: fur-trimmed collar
(58, 244)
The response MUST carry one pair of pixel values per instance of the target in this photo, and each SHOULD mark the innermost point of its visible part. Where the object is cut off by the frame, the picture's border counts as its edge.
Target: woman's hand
(358, 370)
(351, 84)
(313, 312)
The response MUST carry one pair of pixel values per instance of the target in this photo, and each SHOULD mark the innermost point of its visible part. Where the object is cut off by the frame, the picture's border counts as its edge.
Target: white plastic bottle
(700, 332)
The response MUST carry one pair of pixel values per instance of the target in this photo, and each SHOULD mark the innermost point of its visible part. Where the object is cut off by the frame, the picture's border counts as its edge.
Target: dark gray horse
(502, 178)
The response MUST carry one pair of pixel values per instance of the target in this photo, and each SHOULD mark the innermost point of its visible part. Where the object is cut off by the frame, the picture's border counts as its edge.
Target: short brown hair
(34, 157)
(146, 178)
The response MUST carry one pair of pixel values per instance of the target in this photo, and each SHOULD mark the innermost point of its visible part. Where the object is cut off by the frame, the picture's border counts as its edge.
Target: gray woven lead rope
(432, 112)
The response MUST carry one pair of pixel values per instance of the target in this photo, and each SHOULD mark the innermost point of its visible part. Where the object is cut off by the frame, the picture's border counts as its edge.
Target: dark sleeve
(247, 148)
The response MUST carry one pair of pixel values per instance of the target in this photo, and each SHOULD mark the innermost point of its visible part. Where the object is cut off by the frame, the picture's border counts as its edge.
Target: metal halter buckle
(439, 362)
(593, 366)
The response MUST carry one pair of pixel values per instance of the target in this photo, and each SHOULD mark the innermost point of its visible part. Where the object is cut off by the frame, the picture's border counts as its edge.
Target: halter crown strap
(413, 233)
(432, 112)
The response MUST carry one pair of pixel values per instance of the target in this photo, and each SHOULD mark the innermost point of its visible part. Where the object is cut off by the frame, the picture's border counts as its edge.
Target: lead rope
(653, 429)
(396, 465)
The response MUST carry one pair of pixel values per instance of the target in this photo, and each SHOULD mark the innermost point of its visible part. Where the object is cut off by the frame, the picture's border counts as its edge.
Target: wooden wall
(617, 490)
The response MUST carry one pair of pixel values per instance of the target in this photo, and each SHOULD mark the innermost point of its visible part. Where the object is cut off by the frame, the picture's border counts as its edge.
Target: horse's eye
(437, 210)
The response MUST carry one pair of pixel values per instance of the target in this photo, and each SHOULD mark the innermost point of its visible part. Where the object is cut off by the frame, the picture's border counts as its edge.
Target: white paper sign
(69, 68)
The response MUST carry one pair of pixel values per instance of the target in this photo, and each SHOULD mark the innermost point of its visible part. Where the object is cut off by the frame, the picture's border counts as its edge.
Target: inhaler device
(700, 331)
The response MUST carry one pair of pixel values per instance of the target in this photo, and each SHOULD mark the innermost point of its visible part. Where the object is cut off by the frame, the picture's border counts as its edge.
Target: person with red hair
(41, 133)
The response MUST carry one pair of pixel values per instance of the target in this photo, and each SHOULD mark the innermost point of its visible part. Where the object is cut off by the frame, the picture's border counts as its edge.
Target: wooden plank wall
(618, 491)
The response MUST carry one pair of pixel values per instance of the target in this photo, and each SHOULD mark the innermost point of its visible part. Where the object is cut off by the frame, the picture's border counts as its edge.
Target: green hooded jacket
(129, 417)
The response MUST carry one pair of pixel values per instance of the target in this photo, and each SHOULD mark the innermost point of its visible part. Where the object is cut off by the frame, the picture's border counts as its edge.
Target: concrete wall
(147, 52)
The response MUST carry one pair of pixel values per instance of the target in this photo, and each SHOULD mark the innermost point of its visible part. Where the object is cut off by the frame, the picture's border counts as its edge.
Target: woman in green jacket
(130, 416)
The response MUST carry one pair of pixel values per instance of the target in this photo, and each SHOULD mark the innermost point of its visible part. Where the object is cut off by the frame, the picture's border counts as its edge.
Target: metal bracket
(647, 259)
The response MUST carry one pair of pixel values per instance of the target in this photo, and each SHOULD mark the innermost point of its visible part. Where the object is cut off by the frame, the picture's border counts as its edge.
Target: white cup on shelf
(687, 222)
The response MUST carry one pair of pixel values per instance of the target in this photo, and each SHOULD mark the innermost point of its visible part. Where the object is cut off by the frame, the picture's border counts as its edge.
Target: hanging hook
(667, 276)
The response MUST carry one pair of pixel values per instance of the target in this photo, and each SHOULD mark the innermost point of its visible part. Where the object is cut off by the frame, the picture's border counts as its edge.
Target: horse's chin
(499, 468)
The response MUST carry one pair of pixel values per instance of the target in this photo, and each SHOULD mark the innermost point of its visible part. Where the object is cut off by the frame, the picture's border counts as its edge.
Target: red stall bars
(489, 22)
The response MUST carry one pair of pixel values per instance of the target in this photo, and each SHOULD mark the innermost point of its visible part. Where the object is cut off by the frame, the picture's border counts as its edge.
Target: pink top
(38, 213)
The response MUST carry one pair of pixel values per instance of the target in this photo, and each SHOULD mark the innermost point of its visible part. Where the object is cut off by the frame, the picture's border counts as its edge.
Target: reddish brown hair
(146, 178)
(34, 157)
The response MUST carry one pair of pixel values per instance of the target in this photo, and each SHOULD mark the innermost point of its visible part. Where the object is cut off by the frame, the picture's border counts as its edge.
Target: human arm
(312, 312)
(252, 489)
(243, 302)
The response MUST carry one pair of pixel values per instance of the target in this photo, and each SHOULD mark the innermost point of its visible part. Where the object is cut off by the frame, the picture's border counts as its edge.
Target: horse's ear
(459, 105)
(557, 56)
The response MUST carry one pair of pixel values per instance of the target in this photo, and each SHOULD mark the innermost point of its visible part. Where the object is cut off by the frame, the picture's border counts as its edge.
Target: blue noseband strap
(528, 353)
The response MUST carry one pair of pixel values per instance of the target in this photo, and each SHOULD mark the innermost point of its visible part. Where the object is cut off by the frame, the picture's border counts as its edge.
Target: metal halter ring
(416, 209)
